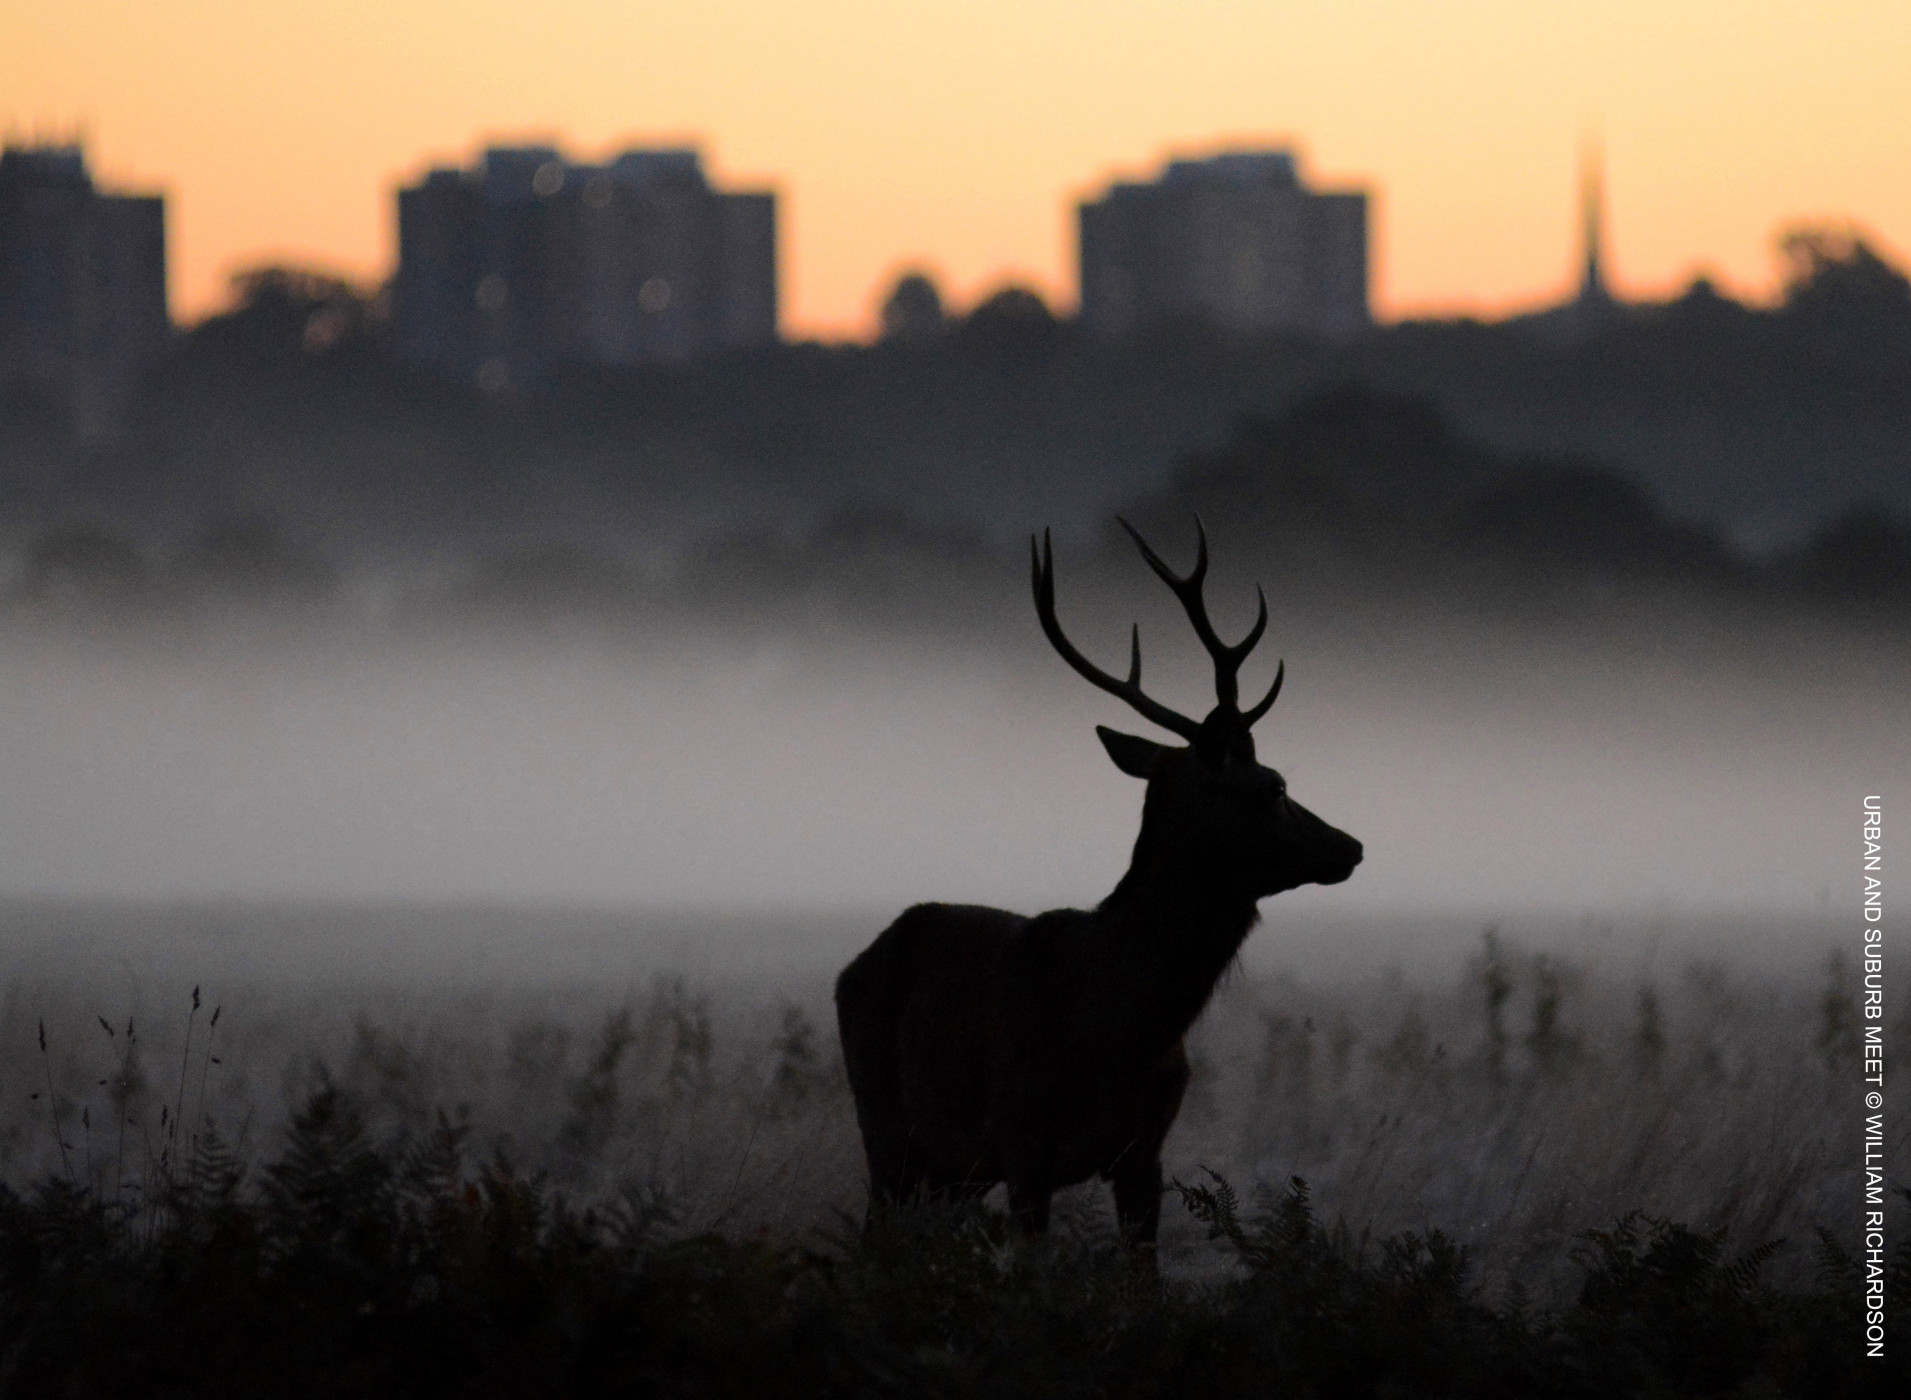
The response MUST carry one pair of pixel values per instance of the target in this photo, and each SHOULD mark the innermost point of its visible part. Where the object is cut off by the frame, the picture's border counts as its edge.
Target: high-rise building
(82, 286)
(1234, 241)
(530, 260)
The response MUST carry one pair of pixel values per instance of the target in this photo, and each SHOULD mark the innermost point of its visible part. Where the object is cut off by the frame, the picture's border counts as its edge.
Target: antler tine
(1267, 703)
(1227, 659)
(1042, 572)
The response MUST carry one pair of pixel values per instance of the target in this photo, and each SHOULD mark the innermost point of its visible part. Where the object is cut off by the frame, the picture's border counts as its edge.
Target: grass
(1530, 1180)
(407, 1270)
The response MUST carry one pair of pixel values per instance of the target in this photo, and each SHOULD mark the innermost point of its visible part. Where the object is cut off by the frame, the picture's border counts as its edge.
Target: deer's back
(934, 966)
(970, 1034)
(920, 1029)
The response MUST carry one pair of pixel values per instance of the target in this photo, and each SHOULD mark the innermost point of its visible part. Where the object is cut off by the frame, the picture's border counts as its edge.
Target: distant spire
(1592, 217)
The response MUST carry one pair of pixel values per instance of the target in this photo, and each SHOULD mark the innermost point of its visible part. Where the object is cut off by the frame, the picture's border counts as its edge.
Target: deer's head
(1211, 804)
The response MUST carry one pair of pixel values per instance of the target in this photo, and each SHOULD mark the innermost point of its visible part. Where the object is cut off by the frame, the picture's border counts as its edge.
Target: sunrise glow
(960, 137)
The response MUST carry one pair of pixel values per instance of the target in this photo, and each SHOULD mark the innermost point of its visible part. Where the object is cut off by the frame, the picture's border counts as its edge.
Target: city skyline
(904, 136)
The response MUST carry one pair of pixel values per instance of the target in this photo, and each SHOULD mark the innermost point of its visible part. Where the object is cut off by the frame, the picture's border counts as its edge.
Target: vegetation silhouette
(1351, 500)
(913, 310)
(984, 1046)
(1771, 421)
(402, 1267)
(559, 1236)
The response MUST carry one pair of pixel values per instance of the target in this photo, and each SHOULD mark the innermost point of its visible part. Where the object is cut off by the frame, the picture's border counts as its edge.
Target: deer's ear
(1135, 757)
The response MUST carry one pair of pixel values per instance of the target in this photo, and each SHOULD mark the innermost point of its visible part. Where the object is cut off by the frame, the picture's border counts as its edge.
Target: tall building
(1234, 241)
(82, 286)
(530, 260)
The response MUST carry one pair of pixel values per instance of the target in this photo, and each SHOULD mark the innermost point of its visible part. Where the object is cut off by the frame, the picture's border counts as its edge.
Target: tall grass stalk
(205, 1072)
(185, 1061)
(53, 1105)
(122, 1103)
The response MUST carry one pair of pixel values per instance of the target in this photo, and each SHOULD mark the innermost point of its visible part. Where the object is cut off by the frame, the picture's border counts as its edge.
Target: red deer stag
(984, 1046)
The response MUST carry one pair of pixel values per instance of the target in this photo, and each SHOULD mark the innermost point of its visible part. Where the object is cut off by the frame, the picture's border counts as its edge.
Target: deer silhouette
(984, 1046)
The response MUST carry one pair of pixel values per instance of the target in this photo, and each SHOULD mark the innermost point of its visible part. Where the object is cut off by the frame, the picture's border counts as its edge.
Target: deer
(985, 1047)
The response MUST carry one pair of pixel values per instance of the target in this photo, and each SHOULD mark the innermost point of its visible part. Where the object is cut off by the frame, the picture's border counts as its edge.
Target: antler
(1227, 659)
(1042, 567)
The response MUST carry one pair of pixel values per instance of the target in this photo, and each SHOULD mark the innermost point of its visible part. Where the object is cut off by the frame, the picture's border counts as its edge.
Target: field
(1512, 1088)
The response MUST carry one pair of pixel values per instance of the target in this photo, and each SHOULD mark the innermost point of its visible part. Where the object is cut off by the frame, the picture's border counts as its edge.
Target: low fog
(1658, 769)
(580, 876)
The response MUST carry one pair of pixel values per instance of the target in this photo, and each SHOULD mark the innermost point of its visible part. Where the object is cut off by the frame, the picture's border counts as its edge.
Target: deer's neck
(1170, 929)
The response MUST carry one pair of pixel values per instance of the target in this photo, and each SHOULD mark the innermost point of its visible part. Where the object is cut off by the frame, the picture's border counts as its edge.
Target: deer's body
(985, 1046)
(980, 1052)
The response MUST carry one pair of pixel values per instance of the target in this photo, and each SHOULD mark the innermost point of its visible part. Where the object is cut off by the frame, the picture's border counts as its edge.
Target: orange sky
(958, 134)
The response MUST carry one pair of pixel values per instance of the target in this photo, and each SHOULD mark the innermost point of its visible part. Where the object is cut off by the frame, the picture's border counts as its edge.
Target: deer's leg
(1028, 1206)
(1137, 1183)
(895, 1178)
(1136, 1174)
